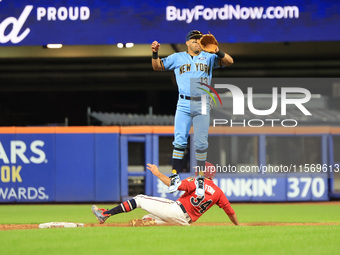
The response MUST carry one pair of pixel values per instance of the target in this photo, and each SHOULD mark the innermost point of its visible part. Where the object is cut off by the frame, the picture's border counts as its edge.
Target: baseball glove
(208, 43)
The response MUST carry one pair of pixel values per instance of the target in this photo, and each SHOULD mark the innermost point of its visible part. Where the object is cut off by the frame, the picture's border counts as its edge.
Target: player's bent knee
(139, 198)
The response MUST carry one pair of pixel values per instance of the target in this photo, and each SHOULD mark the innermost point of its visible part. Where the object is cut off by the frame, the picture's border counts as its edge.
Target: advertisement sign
(59, 167)
(276, 188)
(65, 166)
(91, 22)
(27, 168)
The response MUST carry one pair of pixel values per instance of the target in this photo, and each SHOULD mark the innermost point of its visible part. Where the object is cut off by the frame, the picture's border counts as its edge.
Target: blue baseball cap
(193, 34)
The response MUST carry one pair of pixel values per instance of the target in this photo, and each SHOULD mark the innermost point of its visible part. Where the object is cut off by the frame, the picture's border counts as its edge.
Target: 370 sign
(11, 28)
(301, 187)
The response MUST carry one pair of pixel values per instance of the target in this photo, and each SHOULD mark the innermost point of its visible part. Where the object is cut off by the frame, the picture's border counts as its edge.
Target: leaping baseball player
(188, 65)
(187, 209)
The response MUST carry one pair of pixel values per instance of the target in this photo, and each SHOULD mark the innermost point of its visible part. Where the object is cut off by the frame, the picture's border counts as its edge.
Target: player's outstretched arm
(156, 62)
(224, 203)
(155, 171)
(226, 59)
(233, 219)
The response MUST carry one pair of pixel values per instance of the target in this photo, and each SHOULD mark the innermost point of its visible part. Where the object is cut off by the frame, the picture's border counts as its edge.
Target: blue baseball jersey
(187, 68)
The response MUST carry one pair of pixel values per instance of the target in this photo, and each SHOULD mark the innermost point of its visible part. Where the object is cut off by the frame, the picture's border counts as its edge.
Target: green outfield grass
(174, 240)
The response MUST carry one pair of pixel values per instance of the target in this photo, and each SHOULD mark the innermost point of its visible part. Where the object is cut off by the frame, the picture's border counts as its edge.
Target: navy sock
(177, 164)
(126, 206)
(177, 159)
(201, 166)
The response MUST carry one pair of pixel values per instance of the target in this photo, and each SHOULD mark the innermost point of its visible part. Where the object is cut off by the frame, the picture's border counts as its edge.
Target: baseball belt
(182, 207)
(184, 211)
(190, 98)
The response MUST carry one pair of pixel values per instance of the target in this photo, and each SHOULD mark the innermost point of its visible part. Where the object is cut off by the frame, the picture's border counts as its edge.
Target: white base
(61, 225)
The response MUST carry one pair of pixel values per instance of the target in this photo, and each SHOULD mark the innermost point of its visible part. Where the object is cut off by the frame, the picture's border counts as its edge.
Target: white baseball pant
(162, 210)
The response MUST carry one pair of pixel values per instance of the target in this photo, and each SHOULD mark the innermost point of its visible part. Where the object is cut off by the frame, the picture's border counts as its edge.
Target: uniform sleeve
(216, 61)
(187, 185)
(168, 63)
(224, 203)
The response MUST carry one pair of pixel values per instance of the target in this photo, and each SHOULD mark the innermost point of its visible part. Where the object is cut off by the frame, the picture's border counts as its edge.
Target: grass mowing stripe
(155, 240)
(167, 240)
(35, 214)
(277, 213)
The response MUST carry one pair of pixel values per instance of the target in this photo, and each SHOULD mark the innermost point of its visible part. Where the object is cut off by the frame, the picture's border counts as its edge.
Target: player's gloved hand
(208, 43)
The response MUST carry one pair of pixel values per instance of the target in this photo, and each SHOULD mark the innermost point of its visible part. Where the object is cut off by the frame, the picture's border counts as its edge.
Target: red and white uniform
(197, 206)
(163, 210)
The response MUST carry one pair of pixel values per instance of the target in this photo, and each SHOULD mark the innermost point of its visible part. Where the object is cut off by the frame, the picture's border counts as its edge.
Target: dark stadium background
(40, 86)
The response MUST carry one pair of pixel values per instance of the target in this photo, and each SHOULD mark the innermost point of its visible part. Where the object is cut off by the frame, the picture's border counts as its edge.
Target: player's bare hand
(155, 46)
(153, 168)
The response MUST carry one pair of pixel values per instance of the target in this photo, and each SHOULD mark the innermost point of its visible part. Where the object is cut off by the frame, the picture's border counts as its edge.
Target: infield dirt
(36, 226)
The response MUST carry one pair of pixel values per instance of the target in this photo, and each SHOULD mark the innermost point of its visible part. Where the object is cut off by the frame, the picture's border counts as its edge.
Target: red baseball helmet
(209, 171)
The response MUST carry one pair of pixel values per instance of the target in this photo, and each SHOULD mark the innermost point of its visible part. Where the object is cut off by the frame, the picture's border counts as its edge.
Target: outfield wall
(91, 164)
(59, 164)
